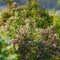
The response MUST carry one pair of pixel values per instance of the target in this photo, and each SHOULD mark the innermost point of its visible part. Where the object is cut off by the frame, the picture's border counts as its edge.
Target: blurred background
(48, 4)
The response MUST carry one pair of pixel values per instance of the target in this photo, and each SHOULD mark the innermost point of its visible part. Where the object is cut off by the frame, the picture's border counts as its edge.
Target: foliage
(56, 22)
(58, 2)
(30, 31)
(7, 50)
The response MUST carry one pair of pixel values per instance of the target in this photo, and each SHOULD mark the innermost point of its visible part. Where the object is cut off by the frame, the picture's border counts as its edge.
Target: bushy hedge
(31, 31)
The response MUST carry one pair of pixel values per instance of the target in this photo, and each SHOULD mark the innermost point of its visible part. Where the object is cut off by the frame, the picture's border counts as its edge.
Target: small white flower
(55, 35)
(54, 45)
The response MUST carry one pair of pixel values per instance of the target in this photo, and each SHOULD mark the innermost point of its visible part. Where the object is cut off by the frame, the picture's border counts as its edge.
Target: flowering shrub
(32, 45)
(31, 31)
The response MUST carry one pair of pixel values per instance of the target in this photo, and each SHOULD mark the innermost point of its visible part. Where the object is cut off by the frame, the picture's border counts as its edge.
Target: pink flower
(55, 35)
(17, 35)
(5, 27)
(47, 43)
(14, 3)
(54, 45)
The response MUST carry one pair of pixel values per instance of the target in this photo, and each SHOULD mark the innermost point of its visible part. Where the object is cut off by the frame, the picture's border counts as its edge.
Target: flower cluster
(31, 31)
